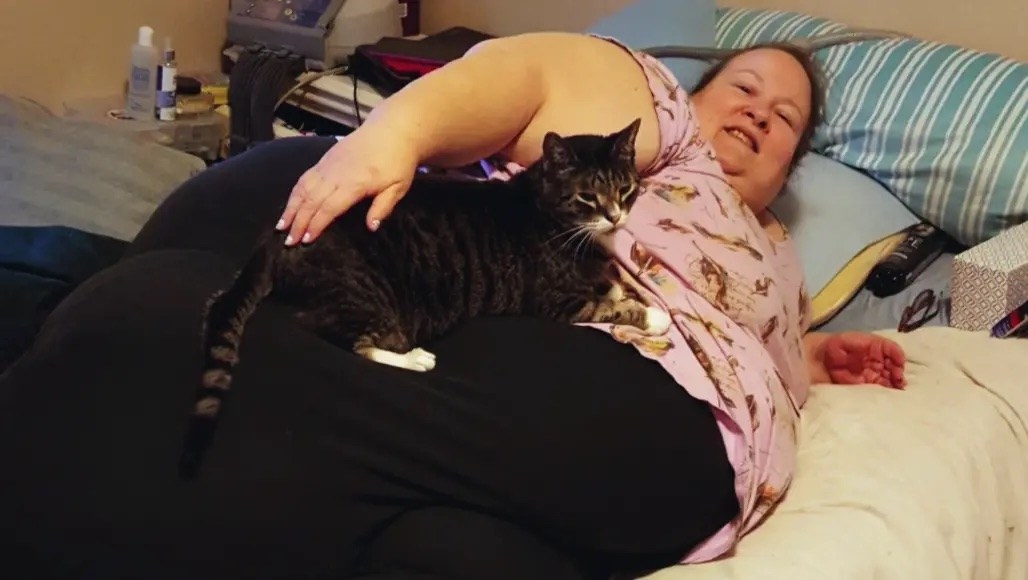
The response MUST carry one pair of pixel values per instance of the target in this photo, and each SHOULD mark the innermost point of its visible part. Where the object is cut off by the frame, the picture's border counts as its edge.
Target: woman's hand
(852, 358)
(362, 164)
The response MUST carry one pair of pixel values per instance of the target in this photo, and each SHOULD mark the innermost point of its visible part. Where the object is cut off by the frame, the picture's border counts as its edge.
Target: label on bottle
(166, 88)
(166, 79)
(139, 85)
(140, 78)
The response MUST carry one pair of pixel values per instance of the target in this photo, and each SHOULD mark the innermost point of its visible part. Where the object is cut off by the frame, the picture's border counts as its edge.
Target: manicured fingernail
(281, 225)
(375, 224)
(306, 237)
(289, 240)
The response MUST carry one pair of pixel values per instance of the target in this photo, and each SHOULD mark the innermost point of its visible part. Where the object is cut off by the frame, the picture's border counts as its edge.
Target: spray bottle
(141, 98)
(166, 84)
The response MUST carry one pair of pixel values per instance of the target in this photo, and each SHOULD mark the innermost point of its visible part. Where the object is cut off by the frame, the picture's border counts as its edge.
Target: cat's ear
(623, 142)
(557, 151)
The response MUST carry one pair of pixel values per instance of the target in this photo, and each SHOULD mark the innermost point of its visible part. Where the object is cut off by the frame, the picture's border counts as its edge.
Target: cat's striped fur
(452, 249)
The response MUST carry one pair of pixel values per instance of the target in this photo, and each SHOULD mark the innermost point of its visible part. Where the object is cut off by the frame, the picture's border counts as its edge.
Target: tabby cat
(452, 249)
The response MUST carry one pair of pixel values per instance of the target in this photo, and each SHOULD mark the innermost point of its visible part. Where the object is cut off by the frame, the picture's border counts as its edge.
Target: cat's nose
(615, 216)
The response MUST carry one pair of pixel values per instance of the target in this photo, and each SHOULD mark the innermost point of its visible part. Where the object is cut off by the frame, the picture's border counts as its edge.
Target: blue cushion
(925, 302)
(647, 23)
(832, 213)
(943, 127)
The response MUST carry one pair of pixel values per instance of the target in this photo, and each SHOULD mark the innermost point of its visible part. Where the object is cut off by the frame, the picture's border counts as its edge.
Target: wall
(991, 25)
(57, 50)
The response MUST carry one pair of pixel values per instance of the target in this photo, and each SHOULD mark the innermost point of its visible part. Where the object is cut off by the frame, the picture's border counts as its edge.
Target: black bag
(392, 63)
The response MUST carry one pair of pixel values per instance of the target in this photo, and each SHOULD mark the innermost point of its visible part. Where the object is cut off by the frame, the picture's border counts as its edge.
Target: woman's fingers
(313, 194)
(338, 202)
(383, 203)
(299, 202)
(342, 178)
(296, 198)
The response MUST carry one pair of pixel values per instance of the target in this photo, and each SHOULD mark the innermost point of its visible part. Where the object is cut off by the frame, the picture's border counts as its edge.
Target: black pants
(534, 450)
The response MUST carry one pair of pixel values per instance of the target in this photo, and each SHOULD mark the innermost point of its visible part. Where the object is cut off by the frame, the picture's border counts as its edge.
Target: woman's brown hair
(810, 66)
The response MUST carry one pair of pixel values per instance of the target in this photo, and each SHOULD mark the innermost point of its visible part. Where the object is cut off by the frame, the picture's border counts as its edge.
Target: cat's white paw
(657, 321)
(416, 360)
(421, 359)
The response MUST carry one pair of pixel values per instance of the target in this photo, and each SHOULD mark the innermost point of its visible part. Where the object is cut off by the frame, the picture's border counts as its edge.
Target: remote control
(923, 244)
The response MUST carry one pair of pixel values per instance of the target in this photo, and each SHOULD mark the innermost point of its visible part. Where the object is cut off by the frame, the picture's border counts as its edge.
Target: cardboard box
(990, 280)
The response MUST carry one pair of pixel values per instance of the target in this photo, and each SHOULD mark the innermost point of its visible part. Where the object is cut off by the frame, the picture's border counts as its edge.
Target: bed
(930, 482)
(72, 194)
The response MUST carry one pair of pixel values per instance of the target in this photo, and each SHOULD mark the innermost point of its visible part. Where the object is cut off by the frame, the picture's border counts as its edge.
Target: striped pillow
(943, 127)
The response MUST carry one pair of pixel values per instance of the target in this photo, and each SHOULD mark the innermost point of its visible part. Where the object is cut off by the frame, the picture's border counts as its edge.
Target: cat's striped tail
(225, 319)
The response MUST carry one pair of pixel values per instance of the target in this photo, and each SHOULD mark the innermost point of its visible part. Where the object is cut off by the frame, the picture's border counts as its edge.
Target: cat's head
(589, 181)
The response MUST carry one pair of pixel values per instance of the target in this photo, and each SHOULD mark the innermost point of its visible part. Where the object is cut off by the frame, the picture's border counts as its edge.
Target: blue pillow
(944, 127)
(833, 212)
(647, 23)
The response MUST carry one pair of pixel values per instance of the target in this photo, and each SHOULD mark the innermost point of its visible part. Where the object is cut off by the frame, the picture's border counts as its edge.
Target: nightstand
(202, 135)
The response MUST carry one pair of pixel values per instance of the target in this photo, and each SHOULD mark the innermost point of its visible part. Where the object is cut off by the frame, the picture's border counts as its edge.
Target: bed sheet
(56, 171)
(930, 482)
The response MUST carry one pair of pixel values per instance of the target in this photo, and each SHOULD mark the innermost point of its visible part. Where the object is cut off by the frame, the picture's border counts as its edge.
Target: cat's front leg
(618, 306)
(391, 347)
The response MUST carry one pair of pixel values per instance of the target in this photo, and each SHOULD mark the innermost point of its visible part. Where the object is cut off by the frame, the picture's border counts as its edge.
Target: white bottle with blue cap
(142, 82)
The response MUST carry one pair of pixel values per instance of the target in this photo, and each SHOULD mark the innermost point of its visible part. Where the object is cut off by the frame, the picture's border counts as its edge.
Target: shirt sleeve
(680, 141)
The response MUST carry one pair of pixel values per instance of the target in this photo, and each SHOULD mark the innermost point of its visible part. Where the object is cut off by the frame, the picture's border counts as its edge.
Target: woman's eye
(785, 118)
(744, 89)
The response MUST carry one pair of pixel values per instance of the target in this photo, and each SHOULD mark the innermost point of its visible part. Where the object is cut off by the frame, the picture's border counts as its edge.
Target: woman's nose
(759, 117)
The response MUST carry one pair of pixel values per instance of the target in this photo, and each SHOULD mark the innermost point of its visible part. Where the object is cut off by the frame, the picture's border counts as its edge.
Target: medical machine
(324, 31)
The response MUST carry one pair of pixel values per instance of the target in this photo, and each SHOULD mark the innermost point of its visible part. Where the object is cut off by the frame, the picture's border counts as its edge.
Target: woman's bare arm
(506, 93)
(502, 97)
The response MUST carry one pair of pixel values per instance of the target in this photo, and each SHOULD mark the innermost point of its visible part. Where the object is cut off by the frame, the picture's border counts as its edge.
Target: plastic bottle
(166, 84)
(142, 97)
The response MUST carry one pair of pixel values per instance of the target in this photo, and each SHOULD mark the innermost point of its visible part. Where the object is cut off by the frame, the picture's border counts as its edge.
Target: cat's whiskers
(579, 232)
(566, 232)
(590, 234)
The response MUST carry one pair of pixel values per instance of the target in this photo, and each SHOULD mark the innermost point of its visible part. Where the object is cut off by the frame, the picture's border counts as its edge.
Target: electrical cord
(306, 80)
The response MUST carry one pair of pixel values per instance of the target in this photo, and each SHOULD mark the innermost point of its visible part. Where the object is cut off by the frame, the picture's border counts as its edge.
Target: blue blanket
(39, 266)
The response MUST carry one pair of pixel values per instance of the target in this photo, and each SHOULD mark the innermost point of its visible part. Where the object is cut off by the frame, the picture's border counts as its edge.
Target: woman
(732, 144)
(535, 450)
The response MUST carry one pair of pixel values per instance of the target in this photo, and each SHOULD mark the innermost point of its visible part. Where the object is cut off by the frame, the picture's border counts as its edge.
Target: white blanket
(926, 483)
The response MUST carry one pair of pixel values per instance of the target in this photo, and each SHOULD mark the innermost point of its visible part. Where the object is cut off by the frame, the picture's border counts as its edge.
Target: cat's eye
(583, 200)
(626, 191)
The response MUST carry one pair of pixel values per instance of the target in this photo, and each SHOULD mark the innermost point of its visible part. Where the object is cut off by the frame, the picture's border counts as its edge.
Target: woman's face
(753, 113)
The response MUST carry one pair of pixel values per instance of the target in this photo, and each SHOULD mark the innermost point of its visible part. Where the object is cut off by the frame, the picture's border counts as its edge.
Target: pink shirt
(737, 299)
